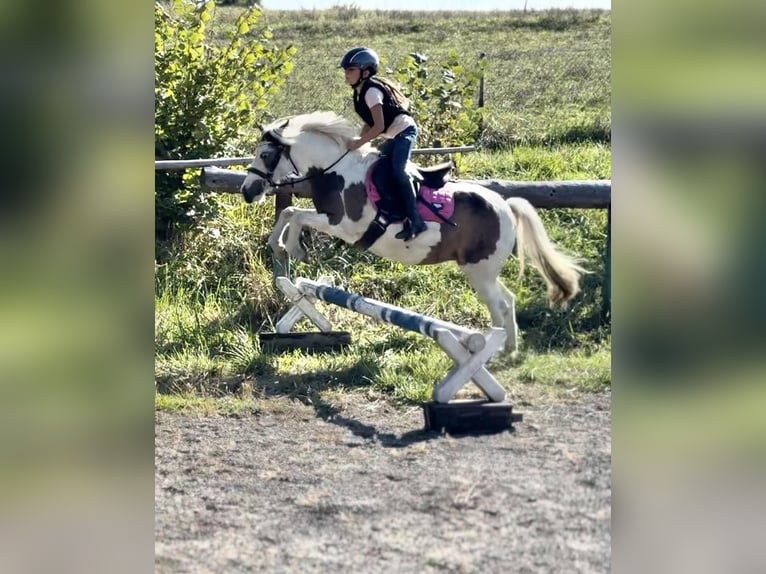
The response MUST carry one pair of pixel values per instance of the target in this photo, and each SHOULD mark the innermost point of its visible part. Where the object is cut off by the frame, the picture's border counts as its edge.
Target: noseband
(283, 149)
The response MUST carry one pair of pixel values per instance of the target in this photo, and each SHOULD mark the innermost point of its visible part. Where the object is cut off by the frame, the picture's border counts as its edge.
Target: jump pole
(402, 318)
(469, 350)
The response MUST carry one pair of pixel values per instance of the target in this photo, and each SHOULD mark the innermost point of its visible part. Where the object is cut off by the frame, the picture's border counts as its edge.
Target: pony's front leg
(285, 219)
(275, 239)
(300, 219)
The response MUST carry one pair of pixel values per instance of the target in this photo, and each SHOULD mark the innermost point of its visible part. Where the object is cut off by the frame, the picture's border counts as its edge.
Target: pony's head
(290, 147)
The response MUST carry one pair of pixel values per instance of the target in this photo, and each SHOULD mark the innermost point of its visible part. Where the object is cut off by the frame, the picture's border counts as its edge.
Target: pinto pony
(311, 150)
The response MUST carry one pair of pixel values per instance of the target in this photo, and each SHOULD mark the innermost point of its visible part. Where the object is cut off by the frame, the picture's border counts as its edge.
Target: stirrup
(407, 233)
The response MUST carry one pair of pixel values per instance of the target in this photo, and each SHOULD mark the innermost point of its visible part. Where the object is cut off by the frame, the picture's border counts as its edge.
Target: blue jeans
(399, 150)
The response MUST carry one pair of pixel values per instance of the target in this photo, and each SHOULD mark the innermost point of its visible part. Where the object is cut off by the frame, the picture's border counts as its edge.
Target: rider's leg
(409, 204)
(399, 150)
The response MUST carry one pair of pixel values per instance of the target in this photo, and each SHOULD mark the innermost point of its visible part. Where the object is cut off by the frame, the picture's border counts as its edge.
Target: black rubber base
(470, 417)
(311, 341)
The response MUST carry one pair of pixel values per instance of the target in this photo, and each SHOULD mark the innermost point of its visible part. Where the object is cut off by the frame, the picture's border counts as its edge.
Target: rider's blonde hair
(396, 92)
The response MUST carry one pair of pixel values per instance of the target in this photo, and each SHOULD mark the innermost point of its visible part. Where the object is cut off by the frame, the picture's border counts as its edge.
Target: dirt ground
(367, 491)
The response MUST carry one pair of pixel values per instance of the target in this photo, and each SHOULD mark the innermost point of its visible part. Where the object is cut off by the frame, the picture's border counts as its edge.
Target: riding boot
(414, 224)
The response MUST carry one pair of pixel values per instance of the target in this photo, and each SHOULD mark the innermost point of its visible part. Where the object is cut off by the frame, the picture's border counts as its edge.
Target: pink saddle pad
(441, 198)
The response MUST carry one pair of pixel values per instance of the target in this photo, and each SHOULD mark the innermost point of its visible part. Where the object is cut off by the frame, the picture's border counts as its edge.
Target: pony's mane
(329, 124)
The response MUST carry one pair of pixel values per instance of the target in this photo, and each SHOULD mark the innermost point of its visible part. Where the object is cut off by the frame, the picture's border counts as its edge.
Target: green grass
(206, 344)
(547, 118)
(578, 370)
(550, 163)
(548, 76)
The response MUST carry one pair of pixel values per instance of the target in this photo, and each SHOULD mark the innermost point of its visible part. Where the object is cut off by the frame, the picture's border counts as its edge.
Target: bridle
(284, 149)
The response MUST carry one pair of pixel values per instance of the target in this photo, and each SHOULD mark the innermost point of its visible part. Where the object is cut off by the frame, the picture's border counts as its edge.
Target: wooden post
(480, 102)
(482, 55)
(281, 263)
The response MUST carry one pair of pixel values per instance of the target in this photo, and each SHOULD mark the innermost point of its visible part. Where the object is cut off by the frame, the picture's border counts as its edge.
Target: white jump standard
(470, 350)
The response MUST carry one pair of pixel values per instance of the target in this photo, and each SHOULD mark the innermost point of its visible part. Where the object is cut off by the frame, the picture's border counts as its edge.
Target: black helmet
(362, 58)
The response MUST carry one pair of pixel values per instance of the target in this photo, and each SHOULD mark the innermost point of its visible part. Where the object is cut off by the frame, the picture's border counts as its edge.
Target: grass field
(548, 75)
(547, 99)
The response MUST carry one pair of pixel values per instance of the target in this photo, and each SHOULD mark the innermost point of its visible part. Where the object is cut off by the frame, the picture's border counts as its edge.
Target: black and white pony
(311, 151)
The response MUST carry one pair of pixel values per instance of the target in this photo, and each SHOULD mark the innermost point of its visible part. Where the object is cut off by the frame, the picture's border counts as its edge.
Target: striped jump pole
(470, 350)
(402, 318)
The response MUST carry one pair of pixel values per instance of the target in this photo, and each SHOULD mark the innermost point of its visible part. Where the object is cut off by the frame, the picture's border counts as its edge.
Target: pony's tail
(560, 271)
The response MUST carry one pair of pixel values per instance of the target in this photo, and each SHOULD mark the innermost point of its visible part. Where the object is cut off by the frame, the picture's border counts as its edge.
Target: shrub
(206, 97)
(443, 98)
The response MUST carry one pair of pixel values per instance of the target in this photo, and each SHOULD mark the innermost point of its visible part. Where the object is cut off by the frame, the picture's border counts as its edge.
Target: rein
(283, 148)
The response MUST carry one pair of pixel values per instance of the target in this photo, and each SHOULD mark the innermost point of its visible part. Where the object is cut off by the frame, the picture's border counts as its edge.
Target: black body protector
(390, 108)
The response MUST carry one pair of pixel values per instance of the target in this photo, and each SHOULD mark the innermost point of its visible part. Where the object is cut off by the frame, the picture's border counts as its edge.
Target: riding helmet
(362, 58)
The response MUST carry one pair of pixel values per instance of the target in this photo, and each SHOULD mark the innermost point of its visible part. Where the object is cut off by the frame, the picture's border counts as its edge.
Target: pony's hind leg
(511, 326)
(484, 280)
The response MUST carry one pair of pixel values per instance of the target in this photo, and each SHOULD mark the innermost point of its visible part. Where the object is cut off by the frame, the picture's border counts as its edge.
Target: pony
(309, 152)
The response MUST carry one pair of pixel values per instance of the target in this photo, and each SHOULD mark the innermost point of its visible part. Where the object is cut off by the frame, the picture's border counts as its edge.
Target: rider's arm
(371, 132)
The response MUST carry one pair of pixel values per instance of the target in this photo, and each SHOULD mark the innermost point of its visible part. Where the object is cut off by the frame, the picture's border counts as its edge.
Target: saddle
(431, 178)
(433, 196)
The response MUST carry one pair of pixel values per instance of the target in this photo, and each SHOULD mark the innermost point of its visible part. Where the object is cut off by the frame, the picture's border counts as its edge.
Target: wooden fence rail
(546, 194)
(173, 164)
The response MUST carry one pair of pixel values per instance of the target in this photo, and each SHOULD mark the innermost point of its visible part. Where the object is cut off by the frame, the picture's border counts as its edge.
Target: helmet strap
(359, 82)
